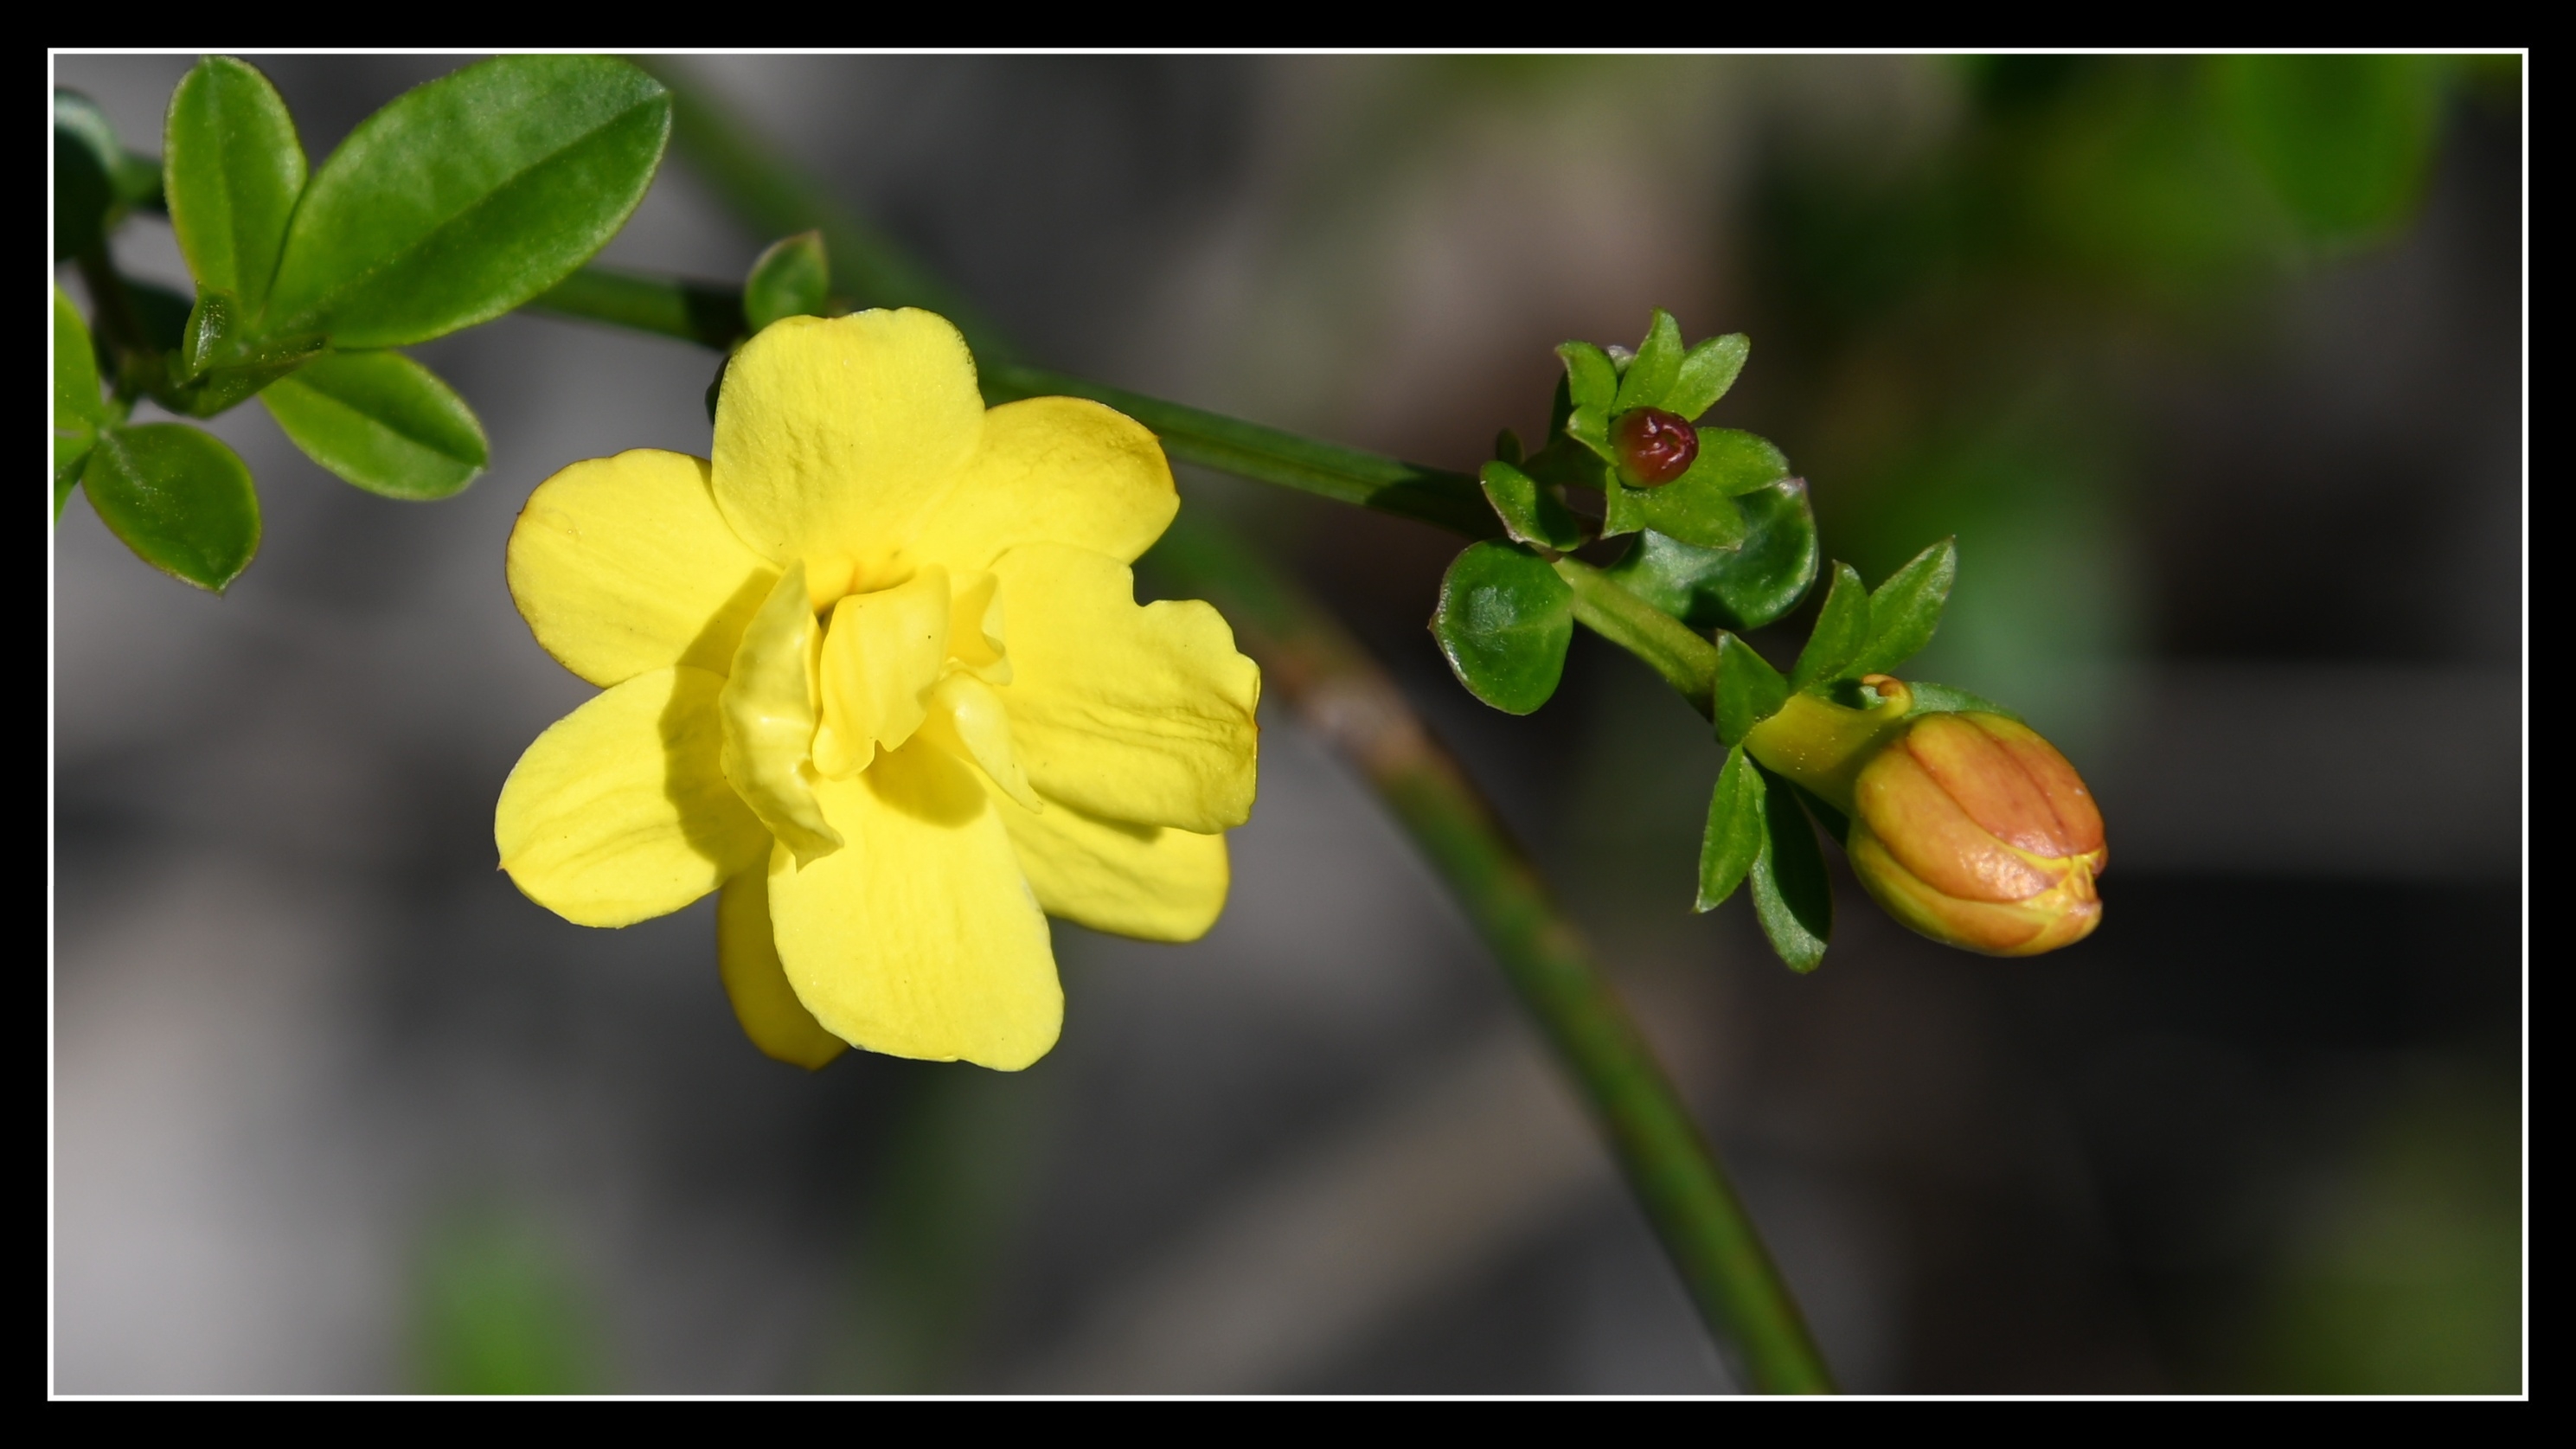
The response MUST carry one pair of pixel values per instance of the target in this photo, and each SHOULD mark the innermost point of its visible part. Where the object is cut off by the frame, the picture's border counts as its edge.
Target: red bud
(1655, 447)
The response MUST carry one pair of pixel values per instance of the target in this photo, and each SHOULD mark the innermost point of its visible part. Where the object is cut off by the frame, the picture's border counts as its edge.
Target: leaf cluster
(462, 199)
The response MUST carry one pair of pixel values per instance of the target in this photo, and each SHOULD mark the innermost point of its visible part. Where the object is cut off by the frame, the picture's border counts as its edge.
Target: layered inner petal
(881, 655)
(620, 810)
(835, 437)
(1147, 881)
(1995, 928)
(1054, 470)
(967, 720)
(622, 565)
(1142, 714)
(920, 938)
(768, 713)
(747, 956)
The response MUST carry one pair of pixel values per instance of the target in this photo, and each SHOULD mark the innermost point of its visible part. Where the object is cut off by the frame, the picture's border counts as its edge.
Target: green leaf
(86, 157)
(1749, 690)
(1692, 512)
(1905, 609)
(792, 279)
(381, 421)
(1930, 698)
(221, 362)
(1707, 371)
(1531, 513)
(1746, 588)
(1736, 829)
(1792, 895)
(1589, 378)
(1591, 428)
(2345, 140)
(1504, 621)
(161, 312)
(1734, 461)
(179, 498)
(79, 409)
(1658, 361)
(1841, 632)
(234, 168)
(467, 196)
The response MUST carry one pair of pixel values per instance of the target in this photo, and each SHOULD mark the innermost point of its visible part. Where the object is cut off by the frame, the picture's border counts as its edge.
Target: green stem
(1686, 661)
(1342, 695)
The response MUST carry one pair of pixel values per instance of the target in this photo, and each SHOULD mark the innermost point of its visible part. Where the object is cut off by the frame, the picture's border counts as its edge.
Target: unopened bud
(1973, 830)
(1655, 447)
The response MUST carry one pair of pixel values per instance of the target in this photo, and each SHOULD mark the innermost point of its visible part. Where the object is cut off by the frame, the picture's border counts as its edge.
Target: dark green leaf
(1504, 621)
(1905, 609)
(1589, 378)
(1530, 512)
(86, 154)
(381, 421)
(178, 497)
(1792, 895)
(1707, 371)
(1743, 588)
(1930, 698)
(467, 196)
(2345, 140)
(1841, 632)
(1659, 360)
(1749, 690)
(1686, 510)
(792, 279)
(1736, 829)
(235, 168)
(79, 409)
(162, 313)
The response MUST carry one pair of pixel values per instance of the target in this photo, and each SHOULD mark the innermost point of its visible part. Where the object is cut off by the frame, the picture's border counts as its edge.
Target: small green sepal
(1649, 375)
(791, 279)
(1749, 690)
(1707, 371)
(1503, 622)
(1736, 829)
(1792, 895)
(179, 498)
(1531, 512)
(1930, 698)
(1841, 632)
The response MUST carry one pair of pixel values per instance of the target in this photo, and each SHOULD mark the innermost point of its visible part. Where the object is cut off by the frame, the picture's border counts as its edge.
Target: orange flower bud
(1973, 830)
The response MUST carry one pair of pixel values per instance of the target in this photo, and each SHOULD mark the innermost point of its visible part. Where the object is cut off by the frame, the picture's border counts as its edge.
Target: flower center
(919, 658)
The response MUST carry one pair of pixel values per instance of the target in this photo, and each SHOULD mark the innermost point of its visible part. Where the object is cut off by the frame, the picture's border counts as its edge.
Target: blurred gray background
(335, 1109)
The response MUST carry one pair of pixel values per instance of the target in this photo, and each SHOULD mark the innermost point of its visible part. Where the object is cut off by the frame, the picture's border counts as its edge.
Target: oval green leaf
(179, 498)
(1530, 511)
(234, 168)
(792, 279)
(1744, 588)
(1736, 830)
(1590, 380)
(1748, 689)
(1707, 371)
(467, 196)
(1651, 372)
(381, 421)
(1792, 895)
(1503, 622)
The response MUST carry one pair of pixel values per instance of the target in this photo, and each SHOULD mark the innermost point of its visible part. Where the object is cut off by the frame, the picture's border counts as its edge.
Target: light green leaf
(179, 498)
(1749, 690)
(1736, 830)
(1744, 587)
(1792, 895)
(79, 409)
(1690, 511)
(1531, 513)
(467, 196)
(381, 421)
(1841, 632)
(1707, 371)
(1589, 378)
(1503, 622)
(792, 279)
(234, 168)
(1658, 361)
(1905, 609)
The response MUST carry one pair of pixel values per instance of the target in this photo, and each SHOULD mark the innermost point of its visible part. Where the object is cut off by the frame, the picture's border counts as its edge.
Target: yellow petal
(768, 720)
(1128, 713)
(975, 626)
(834, 437)
(620, 812)
(1054, 470)
(920, 938)
(881, 655)
(967, 720)
(747, 954)
(1149, 881)
(622, 564)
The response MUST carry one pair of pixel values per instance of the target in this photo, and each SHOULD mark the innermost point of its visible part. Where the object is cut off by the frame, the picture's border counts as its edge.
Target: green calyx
(1821, 745)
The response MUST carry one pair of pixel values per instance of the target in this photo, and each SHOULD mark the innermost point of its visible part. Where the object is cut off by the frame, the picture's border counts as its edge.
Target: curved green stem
(1686, 661)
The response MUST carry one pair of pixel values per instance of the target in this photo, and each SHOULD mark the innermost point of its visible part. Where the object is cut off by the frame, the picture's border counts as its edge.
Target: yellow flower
(877, 672)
